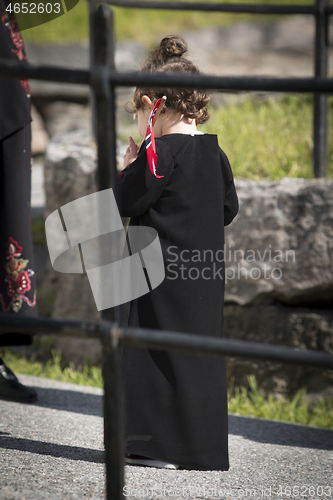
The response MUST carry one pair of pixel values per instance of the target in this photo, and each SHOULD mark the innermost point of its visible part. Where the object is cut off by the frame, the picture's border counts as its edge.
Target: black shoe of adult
(11, 389)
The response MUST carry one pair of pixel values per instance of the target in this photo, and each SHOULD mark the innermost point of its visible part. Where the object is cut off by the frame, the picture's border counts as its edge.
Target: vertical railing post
(102, 54)
(102, 59)
(92, 8)
(113, 420)
(320, 100)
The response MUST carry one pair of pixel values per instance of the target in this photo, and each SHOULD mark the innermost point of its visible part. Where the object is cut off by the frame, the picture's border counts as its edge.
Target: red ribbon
(150, 140)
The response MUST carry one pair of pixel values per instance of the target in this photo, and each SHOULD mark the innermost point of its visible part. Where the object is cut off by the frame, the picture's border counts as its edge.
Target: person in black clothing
(176, 404)
(17, 280)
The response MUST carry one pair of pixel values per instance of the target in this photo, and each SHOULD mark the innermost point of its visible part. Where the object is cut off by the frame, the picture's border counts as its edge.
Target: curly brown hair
(167, 57)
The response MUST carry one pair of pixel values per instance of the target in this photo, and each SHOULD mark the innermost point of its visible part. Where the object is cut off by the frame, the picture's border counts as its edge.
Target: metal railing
(321, 11)
(103, 79)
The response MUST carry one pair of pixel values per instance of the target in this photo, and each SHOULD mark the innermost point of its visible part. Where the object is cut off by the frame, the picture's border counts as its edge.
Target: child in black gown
(176, 404)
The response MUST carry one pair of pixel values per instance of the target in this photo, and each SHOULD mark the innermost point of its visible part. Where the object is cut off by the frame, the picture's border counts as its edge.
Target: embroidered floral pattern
(9, 21)
(18, 278)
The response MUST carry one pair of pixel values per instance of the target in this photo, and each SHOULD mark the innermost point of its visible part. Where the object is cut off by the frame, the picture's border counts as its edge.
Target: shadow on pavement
(67, 400)
(281, 433)
(254, 429)
(51, 449)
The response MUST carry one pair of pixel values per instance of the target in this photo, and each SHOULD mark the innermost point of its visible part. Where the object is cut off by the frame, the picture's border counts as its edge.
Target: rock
(37, 187)
(62, 117)
(70, 173)
(70, 167)
(279, 257)
(39, 136)
(299, 328)
(280, 245)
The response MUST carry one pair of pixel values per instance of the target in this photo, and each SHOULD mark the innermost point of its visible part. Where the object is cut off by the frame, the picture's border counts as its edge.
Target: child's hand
(131, 152)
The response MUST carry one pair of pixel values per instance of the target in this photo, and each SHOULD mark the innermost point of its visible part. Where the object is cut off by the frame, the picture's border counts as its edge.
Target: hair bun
(172, 46)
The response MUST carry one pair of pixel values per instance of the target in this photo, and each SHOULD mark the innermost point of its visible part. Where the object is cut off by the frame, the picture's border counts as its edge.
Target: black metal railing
(103, 79)
(321, 11)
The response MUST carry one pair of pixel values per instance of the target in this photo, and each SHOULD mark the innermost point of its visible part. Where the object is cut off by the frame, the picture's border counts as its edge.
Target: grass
(145, 26)
(55, 368)
(254, 403)
(270, 139)
(248, 402)
(38, 231)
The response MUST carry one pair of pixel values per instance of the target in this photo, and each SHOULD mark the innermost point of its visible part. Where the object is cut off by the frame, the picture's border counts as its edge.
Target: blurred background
(221, 44)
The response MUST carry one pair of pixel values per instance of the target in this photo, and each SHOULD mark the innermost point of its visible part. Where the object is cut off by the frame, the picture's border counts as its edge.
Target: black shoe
(11, 389)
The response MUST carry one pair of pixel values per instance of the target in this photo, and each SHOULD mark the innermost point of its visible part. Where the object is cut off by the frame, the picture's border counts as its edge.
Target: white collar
(196, 132)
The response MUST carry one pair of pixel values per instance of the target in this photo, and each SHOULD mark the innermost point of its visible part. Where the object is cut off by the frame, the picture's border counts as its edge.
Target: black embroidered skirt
(17, 277)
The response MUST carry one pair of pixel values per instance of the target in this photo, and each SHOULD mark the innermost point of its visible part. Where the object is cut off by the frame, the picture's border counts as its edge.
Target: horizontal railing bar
(221, 83)
(198, 344)
(49, 326)
(108, 332)
(9, 68)
(239, 8)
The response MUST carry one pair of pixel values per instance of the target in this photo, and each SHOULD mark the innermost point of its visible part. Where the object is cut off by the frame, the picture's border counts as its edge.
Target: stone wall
(280, 246)
(70, 173)
(277, 324)
(279, 279)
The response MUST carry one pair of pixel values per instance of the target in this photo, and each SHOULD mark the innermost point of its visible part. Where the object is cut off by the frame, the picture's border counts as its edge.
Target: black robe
(176, 404)
(17, 278)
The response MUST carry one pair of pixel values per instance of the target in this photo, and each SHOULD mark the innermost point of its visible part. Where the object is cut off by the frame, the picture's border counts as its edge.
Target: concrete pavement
(54, 449)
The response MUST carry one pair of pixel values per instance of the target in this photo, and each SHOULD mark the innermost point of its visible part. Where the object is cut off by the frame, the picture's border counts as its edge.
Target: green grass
(145, 26)
(71, 27)
(38, 231)
(248, 402)
(254, 403)
(269, 139)
(55, 368)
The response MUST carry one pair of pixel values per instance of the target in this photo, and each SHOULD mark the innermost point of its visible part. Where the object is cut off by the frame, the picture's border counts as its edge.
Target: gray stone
(39, 136)
(70, 173)
(70, 167)
(280, 246)
(299, 328)
(63, 117)
(37, 186)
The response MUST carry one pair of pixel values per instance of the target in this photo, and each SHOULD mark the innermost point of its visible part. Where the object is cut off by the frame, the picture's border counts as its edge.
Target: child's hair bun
(172, 46)
(167, 58)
